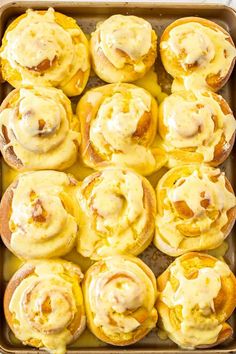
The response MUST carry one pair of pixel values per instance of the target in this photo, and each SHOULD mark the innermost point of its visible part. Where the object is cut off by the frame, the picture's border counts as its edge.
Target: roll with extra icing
(118, 128)
(196, 209)
(39, 215)
(197, 295)
(45, 48)
(44, 306)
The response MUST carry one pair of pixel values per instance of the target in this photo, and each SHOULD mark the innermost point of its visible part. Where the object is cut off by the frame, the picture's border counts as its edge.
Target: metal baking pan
(159, 15)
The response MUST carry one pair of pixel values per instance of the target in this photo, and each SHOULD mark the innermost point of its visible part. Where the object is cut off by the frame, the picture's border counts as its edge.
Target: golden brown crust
(147, 320)
(215, 82)
(224, 303)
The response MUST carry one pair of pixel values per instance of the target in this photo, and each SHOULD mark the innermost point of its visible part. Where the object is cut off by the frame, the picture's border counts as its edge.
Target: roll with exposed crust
(123, 48)
(44, 306)
(38, 129)
(198, 53)
(196, 127)
(120, 294)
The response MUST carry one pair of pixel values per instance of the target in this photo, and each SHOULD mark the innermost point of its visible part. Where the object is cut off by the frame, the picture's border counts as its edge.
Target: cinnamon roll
(197, 295)
(198, 53)
(118, 127)
(118, 209)
(38, 215)
(38, 130)
(120, 294)
(123, 48)
(196, 209)
(43, 304)
(196, 127)
(45, 48)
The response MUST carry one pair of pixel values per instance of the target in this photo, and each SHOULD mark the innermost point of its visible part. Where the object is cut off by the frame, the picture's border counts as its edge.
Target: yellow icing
(10, 264)
(150, 83)
(58, 282)
(113, 37)
(193, 189)
(190, 124)
(52, 145)
(108, 297)
(112, 214)
(199, 324)
(193, 43)
(42, 220)
(38, 37)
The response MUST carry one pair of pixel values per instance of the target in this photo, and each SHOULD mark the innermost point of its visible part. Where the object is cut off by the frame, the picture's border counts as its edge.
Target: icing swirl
(39, 125)
(48, 305)
(121, 297)
(117, 211)
(43, 221)
(44, 52)
(196, 209)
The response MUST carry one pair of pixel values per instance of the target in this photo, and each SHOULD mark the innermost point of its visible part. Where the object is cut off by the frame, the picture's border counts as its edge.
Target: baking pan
(159, 15)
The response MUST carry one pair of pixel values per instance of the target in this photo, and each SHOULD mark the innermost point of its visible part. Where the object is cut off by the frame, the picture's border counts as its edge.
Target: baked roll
(197, 295)
(198, 53)
(38, 130)
(38, 215)
(43, 304)
(196, 209)
(118, 209)
(123, 48)
(120, 294)
(196, 127)
(118, 127)
(45, 48)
